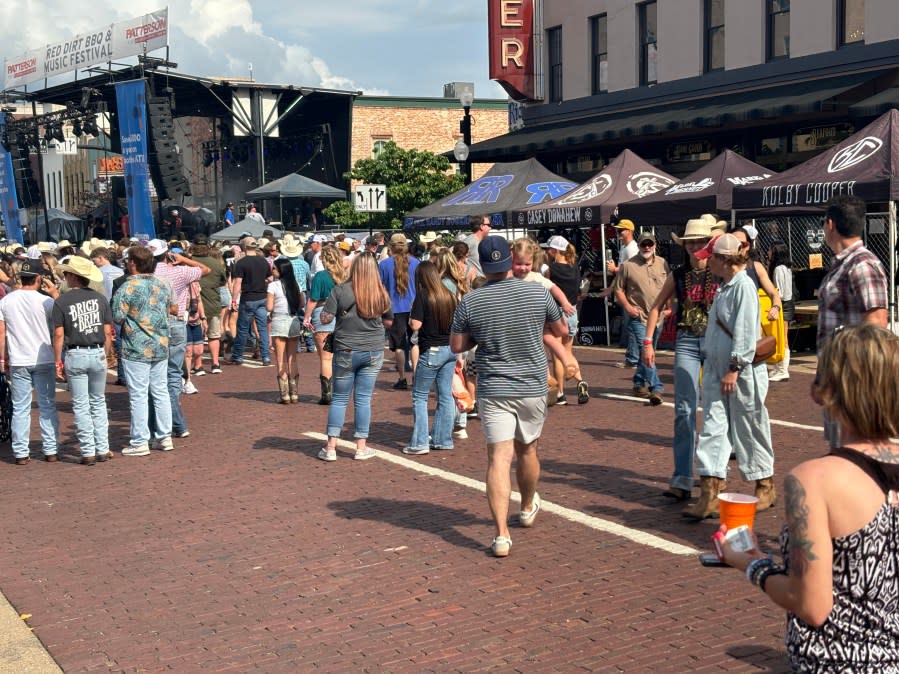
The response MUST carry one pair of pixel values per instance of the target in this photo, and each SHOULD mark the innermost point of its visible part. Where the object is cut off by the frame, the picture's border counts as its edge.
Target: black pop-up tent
(626, 177)
(57, 226)
(707, 190)
(865, 165)
(504, 189)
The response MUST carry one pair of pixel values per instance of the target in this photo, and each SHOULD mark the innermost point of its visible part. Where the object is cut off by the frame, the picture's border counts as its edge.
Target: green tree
(414, 178)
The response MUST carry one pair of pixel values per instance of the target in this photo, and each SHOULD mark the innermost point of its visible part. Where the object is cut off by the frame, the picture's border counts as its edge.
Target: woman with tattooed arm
(839, 581)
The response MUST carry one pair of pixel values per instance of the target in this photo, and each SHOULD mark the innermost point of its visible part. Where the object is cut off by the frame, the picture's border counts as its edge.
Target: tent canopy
(295, 185)
(707, 190)
(61, 226)
(865, 165)
(246, 226)
(502, 190)
(595, 201)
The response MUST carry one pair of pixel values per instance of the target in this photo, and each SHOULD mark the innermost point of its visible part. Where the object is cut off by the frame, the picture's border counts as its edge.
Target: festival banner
(109, 42)
(131, 99)
(9, 202)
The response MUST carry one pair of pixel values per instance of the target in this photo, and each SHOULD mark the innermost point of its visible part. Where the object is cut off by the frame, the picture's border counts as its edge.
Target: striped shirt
(506, 318)
(855, 285)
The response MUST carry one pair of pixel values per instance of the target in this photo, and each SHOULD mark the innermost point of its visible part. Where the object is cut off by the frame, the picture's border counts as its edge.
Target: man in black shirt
(251, 276)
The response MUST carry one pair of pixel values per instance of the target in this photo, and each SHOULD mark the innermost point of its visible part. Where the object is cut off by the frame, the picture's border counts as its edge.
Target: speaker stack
(166, 168)
(27, 188)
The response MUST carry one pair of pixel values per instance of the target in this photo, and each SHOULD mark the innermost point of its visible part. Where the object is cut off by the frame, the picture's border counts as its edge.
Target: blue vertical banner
(131, 99)
(9, 200)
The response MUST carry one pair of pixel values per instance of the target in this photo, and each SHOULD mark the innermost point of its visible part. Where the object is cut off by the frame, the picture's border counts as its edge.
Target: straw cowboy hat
(290, 247)
(696, 229)
(81, 266)
(88, 246)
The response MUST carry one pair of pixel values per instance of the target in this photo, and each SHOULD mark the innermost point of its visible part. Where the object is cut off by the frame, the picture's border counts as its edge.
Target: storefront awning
(770, 103)
(876, 104)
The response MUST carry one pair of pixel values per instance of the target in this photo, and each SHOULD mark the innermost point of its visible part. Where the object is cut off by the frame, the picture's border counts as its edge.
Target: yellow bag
(776, 328)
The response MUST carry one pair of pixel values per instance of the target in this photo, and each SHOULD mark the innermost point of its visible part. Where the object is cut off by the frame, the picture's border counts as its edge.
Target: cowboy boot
(294, 389)
(707, 505)
(284, 391)
(765, 493)
(326, 390)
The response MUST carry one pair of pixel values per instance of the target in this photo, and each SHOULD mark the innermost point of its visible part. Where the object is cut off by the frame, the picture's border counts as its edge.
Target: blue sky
(393, 47)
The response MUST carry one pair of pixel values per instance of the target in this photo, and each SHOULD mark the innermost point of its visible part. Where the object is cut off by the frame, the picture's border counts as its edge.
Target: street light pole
(462, 149)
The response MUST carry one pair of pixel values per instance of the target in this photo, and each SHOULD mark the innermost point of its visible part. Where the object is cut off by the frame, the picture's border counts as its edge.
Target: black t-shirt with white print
(82, 313)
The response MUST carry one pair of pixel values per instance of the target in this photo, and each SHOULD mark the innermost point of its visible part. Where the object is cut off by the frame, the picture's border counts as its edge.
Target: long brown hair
(441, 302)
(332, 261)
(399, 251)
(371, 296)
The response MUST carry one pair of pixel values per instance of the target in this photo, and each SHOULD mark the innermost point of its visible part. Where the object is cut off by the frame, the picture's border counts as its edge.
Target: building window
(554, 47)
(377, 147)
(851, 22)
(599, 49)
(648, 25)
(714, 35)
(778, 29)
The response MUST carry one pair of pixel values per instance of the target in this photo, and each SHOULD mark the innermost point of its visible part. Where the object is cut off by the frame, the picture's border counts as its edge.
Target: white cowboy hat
(696, 229)
(81, 266)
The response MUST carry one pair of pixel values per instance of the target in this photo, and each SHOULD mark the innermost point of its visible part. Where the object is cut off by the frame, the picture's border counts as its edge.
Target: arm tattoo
(797, 516)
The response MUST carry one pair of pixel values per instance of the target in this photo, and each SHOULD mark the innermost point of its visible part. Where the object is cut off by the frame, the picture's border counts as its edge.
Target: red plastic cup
(737, 509)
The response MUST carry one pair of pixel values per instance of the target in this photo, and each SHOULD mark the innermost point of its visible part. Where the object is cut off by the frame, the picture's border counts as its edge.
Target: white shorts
(504, 419)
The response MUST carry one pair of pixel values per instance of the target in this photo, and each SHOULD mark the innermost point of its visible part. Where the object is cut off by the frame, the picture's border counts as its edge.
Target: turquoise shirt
(141, 305)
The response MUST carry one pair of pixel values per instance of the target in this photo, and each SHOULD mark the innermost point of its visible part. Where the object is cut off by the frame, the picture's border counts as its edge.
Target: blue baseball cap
(495, 255)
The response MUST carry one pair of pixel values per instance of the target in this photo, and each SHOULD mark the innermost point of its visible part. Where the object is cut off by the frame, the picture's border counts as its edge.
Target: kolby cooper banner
(9, 202)
(131, 98)
(107, 43)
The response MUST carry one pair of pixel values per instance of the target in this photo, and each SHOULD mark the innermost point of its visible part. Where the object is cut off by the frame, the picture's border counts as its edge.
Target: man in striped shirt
(505, 319)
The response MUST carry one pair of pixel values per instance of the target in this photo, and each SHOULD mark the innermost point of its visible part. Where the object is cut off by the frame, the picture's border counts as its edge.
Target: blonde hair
(525, 247)
(332, 261)
(450, 268)
(857, 374)
(371, 296)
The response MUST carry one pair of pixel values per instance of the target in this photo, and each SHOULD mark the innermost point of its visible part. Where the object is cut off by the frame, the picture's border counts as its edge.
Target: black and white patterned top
(861, 634)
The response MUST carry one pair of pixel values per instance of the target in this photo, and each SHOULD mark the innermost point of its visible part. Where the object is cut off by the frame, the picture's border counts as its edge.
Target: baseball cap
(725, 244)
(495, 255)
(557, 243)
(319, 238)
(248, 242)
(157, 247)
(31, 267)
(751, 232)
(646, 236)
(625, 224)
(371, 241)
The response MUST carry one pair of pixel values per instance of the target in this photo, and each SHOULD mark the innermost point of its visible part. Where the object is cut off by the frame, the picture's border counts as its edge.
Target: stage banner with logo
(9, 202)
(131, 98)
(109, 42)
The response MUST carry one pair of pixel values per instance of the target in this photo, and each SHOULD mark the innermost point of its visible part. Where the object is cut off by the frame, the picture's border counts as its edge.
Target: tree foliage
(414, 178)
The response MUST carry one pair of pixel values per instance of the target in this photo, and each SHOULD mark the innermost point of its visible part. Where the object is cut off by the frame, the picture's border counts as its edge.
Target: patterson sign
(516, 47)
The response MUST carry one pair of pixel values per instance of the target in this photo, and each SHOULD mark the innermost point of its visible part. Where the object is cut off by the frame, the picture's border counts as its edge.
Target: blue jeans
(42, 378)
(248, 311)
(143, 379)
(627, 340)
(177, 348)
(86, 372)
(436, 364)
(688, 356)
(356, 372)
(644, 376)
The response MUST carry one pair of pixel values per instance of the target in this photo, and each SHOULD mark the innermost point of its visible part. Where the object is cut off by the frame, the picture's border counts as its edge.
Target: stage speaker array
(166, 168)
(27, 188)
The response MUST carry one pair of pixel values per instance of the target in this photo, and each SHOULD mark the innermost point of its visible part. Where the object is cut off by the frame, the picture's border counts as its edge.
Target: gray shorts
(505, 419)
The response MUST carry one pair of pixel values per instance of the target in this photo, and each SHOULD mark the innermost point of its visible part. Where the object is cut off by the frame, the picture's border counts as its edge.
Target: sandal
(326, 454)
(501, 546)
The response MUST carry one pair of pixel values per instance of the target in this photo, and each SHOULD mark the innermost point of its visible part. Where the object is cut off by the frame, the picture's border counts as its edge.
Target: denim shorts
(572, 324)
(317, 324)
(194, 334)
(285, 325)
(224, 297)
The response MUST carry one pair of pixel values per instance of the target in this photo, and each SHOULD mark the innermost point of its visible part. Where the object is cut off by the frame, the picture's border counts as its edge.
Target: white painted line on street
(569, 514)
(774, 422)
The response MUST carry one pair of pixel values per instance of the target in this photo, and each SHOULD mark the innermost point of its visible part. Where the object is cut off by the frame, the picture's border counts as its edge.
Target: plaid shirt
(855, 285)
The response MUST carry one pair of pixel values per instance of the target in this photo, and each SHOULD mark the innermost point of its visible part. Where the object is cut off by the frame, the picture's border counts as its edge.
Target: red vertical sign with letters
(514, 58)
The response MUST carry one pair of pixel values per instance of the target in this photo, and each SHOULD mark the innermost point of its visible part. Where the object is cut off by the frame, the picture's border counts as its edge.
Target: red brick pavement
(240, 551)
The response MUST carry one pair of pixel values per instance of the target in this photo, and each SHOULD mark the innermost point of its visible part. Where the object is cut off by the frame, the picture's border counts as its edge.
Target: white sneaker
(460, 434)
(140, 450)
(163, 444)
(189, 388)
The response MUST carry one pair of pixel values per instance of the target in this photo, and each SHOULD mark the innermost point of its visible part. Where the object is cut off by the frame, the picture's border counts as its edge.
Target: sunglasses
(647, 244)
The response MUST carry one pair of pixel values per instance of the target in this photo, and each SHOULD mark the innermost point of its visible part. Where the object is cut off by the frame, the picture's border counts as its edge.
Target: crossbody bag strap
(724, 327)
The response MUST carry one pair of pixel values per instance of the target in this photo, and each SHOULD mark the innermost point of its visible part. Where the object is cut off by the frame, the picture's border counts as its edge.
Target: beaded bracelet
(755, 567)
(769, 571)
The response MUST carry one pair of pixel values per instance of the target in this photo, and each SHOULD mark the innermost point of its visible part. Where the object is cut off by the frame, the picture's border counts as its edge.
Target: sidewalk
(241, 551)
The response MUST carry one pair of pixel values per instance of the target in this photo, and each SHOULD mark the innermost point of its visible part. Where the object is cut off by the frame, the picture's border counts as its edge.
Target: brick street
(240, 551)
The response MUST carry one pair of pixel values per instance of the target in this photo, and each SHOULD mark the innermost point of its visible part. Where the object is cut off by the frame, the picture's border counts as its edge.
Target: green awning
(770, 103)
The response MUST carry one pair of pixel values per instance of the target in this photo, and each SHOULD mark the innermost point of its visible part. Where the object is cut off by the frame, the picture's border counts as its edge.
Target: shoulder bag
(764, 347)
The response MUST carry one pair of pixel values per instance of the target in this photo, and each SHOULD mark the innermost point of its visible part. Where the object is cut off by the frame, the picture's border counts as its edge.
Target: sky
(381, 47)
